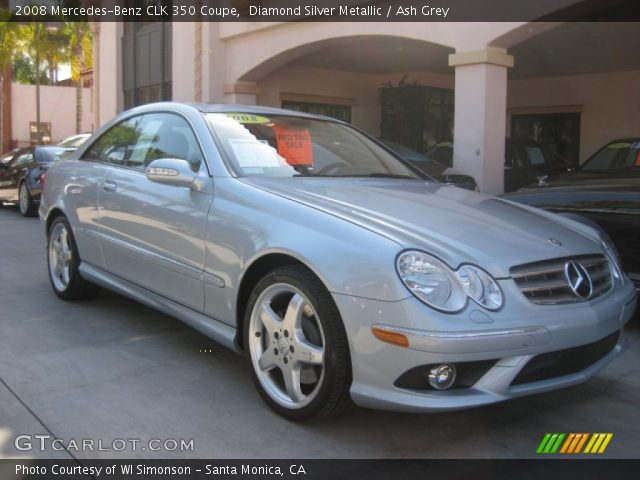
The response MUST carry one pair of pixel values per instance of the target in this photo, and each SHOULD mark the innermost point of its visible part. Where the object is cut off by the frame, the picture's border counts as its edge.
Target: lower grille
(546, 283)
(565, 362)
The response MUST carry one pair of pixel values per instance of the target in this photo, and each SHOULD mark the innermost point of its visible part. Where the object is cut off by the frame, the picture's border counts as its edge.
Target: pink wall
(610, 103)
(57, 105)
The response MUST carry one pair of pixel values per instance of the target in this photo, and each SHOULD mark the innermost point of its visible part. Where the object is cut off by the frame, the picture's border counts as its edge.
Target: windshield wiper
(376, 175)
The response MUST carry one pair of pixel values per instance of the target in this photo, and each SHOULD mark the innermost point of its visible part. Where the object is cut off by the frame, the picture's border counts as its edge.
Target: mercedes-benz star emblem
(579, 280)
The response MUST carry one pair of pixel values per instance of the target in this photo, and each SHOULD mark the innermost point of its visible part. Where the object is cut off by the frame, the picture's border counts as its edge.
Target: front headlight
(614, 258)
(437, 285)
(431, 281)
(480, 287)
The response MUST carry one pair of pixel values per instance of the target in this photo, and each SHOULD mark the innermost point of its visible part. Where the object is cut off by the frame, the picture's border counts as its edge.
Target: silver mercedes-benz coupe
(341, 272)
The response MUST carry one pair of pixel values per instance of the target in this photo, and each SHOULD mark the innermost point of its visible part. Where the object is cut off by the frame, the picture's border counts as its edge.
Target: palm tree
(79, 56)
(7, 41)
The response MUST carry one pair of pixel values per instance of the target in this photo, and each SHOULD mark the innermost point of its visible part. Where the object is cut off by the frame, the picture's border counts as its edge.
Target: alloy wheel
(23, 199)
(60, 257)
(287, 346)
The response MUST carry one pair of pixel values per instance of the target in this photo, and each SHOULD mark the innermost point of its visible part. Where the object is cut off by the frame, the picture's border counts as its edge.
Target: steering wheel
(332, 166)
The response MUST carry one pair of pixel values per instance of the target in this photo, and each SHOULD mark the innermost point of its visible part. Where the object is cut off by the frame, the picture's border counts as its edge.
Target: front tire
(25, 201)
(63, 262)
(297, 346)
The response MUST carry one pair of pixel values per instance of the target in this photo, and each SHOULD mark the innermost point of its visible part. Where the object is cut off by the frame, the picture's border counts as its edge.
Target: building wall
(57, 105)
(360, 89)
(610, 104)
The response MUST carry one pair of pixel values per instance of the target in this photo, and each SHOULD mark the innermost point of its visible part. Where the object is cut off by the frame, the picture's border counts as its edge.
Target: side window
(165, 135)
(137, 141)
(115, 145)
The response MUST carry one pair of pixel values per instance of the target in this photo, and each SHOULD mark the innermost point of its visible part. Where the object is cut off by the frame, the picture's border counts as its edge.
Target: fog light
(442, 376)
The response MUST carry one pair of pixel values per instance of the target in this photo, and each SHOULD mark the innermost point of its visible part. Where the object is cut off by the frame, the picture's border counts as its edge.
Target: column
(108, 72)
(183, 61)
(480, 115)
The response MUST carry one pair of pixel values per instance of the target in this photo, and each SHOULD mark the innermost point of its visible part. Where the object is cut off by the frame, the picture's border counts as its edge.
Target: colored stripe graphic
(543, 443)
(581, 443)
(573, 443)
(598, 442)
(550, 443)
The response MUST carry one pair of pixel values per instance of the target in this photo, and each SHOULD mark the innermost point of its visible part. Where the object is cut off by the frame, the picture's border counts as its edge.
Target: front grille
(565, 362)
(546, 283)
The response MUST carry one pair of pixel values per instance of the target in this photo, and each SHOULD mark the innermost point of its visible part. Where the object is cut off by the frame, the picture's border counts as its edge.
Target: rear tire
(63, 262)
(296, 345)
(25, 201)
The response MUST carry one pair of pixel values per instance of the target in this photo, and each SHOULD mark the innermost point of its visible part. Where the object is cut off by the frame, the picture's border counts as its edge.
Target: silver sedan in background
(340, 271)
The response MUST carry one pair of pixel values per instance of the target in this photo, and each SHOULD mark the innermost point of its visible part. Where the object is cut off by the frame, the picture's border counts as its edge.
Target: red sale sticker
(294, 144)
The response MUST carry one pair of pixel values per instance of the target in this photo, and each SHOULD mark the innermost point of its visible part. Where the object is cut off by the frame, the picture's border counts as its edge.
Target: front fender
(246, 223)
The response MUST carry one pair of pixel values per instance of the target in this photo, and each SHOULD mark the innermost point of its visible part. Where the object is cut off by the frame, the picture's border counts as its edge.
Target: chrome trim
(549, 282)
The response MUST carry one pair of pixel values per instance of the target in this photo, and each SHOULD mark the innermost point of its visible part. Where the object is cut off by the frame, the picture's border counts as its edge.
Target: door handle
(109, 186)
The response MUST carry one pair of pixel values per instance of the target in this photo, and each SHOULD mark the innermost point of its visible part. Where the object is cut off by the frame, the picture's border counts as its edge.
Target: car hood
(454, 224)
(584, 192)
(602, 182)
(435, 169)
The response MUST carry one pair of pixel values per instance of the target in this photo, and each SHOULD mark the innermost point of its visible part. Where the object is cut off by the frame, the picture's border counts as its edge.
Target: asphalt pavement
(113, 372)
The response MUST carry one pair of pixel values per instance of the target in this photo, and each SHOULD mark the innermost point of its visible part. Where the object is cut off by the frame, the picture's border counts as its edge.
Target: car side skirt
(217, 331)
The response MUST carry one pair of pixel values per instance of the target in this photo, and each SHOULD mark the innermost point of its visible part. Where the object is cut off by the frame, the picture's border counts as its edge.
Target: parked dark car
(434, 169)
(525, 161)
(606, 190)
(20, 177)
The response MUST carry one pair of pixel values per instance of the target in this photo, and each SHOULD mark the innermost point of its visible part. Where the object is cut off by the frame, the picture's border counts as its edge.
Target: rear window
(53, 154)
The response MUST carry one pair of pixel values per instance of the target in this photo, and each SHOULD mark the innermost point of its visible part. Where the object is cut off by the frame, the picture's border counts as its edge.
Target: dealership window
(416, 116)
(146, 62)
(559, 132)
(339, 112)
(45, 133)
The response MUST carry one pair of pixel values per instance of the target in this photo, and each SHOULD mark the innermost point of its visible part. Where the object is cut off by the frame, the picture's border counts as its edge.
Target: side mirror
(171, 171)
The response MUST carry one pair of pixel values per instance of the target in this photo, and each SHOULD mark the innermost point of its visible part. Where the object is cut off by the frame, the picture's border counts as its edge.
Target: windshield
(615, 156)
(6, 158)
(290, 146)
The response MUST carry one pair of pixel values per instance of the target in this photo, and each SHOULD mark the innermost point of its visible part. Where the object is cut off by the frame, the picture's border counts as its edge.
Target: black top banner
(322, 10)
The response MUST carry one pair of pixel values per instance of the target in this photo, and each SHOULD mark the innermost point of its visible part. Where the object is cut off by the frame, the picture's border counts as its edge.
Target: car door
(10, 176)
(154, 234)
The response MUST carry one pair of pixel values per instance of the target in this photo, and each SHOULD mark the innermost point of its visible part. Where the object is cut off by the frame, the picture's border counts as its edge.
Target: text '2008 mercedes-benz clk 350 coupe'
(340, 271)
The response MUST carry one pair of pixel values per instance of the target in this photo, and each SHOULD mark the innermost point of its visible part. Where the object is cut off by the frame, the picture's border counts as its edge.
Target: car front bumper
(506, 341)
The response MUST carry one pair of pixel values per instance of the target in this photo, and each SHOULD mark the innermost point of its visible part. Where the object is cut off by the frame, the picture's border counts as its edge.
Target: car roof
(228, 108)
